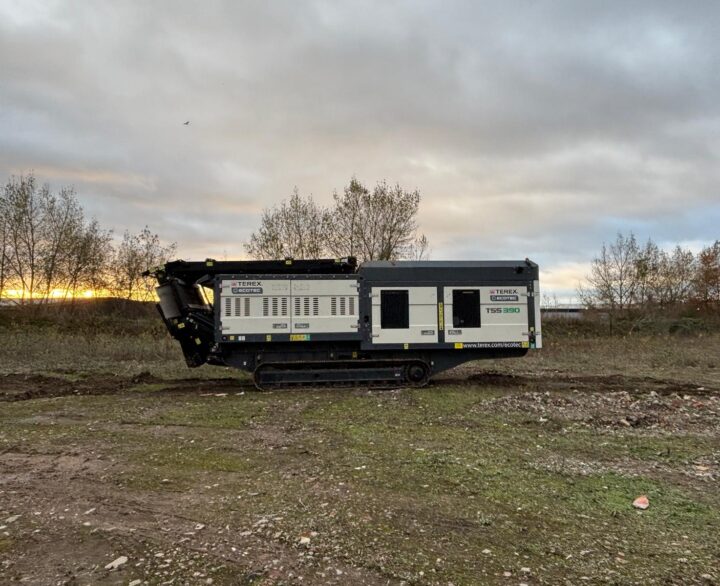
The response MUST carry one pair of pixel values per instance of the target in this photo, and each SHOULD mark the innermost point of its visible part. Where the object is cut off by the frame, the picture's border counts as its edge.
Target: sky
(531, 128)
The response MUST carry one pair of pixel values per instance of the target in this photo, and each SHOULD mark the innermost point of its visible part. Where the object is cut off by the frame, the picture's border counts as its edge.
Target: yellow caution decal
(268, 338)
(299, 337)
(441, 316)
(526, 344)
(458, 345)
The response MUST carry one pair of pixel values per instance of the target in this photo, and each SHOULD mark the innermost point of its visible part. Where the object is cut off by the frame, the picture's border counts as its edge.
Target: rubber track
(382, 383)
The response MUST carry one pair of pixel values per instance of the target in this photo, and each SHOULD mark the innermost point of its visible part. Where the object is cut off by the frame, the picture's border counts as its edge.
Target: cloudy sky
(531, 128)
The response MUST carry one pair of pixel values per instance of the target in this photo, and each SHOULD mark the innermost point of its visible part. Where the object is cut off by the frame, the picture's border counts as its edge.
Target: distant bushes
(594, 323)
(88, 317)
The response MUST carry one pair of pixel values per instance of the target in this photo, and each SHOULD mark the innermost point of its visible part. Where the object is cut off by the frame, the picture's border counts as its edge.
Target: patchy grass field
(517, 472)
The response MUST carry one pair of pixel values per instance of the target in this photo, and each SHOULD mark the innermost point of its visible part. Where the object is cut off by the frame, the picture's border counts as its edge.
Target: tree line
(50, 249)
(628, 276)
(369, 224)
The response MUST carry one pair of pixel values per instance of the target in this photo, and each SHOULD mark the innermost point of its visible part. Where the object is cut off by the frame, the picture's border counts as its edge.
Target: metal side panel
(423, 317)
(257, 306)
(325, 306)
(503, 316)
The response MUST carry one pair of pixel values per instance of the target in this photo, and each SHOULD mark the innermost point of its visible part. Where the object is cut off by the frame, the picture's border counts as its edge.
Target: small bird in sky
(186, 123)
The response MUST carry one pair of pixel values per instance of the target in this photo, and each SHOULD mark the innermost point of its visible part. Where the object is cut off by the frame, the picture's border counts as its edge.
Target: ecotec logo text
(246, 288)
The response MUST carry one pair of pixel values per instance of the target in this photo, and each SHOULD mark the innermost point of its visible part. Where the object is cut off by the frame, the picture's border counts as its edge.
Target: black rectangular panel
(394, 309)
(466, 308)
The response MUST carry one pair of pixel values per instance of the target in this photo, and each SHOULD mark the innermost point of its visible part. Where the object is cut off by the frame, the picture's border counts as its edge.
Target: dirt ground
(497, 473)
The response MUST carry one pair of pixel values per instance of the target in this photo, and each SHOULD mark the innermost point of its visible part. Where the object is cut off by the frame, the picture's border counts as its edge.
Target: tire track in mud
(19, 387)
(573, 382)
(22, 387)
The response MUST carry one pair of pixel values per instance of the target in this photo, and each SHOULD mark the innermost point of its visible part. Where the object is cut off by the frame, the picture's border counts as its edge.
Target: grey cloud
(531, 128)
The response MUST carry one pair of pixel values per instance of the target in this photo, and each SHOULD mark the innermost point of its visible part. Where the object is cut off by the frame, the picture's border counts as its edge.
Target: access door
(404, 315)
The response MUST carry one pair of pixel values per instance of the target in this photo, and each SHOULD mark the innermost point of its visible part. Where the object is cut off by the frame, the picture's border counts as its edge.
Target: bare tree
(663, 278)
(88, 262)
(23, 206)
(707, 277)
(135, 254)
(48, 249)
(376, 225)
(648, 263)
(64, 223)
(370, 225)
(3, 250)
(667, 278)
(613, 278)
(347, 220)
(296, 228)
(625, 275)
(678, 275)
(420, 248)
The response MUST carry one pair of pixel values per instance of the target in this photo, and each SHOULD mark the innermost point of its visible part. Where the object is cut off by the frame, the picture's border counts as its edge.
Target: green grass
(392, 482)
(77, 355)
(452, 483)
(694, 359)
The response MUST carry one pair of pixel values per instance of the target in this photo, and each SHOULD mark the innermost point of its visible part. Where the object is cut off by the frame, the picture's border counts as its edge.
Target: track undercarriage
(370, 373)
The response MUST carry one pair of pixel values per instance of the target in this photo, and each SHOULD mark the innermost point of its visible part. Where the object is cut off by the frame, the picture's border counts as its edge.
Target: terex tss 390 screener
(330, 321)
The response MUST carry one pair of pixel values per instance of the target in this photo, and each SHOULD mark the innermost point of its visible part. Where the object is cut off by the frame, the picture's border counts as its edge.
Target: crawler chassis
(311, 322)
